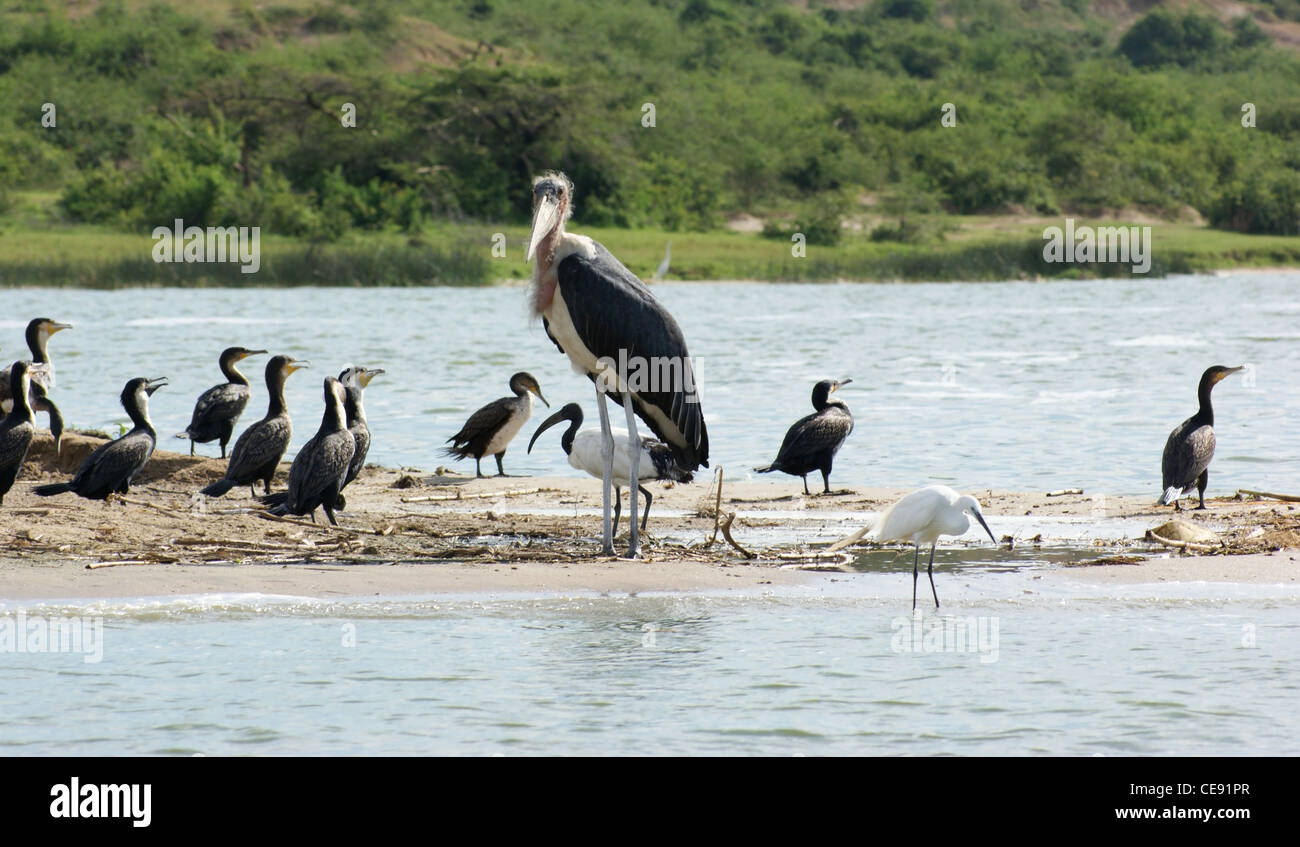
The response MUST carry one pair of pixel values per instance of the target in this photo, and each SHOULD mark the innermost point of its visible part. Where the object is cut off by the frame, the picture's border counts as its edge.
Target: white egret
(924, 515)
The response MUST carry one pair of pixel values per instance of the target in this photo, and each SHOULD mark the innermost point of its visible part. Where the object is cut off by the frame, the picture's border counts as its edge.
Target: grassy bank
(976, 248)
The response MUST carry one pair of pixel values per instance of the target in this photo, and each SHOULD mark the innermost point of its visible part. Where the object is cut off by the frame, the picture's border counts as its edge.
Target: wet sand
(409, 532)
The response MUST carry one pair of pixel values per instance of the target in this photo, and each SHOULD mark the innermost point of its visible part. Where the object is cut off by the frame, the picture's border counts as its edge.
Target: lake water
(1021, 386)
(1014, 386)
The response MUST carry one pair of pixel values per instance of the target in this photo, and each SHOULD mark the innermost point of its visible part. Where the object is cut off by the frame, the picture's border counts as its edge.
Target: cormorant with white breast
(811, 444)
(259, 449)
(17, 429)
(318, 471)
(39, 331)
(490, 430)
(605, 319)
(1190, 447)
(218, 409)
(583, 449)
(355, 380)
(112, 467)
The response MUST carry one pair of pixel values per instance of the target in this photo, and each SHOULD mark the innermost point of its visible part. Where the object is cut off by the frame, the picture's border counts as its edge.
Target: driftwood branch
(1285, 498)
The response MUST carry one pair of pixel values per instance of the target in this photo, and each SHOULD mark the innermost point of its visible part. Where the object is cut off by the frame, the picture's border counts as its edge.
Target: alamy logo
(183, 243)
(1088, 244)
(948, 634)
(24, 633)
(95, 800)
(641, 375)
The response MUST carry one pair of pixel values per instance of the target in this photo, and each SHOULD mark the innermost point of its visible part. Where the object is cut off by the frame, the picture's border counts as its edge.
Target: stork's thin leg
(618, 506)
(646, 516)
(931, 572)
(634, 448)
(606, 470)
(1201, 482)
(916, 558)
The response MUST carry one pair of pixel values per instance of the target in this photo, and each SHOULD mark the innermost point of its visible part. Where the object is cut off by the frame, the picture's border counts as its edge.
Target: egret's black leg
(618, 507)
(931, 572)
(915, 561)
(500, 470)
(1201, 482)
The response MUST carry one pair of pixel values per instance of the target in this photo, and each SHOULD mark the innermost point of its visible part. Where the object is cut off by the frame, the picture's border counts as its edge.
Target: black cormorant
(489, 430)
(259, 449)
(318, 471)
(111, 467)
(583, 450)
(218, 409)
(355, 380)
(16, 430)
(811, 444)
(1190, 447)
(38, 334)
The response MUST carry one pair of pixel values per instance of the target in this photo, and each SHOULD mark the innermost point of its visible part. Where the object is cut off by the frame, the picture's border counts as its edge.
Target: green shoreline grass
(981, 248)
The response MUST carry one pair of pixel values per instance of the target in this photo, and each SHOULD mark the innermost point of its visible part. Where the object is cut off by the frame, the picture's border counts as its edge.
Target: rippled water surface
(1015, 386)
(1022, 386)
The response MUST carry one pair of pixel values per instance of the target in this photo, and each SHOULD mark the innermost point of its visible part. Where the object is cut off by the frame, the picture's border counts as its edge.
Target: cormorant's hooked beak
(537, 389)
(561, 415)
(837, 386)
(367, 374)
(296, 365)
(979, 516)
(54, 326)
(1228, 372)
(152, 385)
(546, 217)
(248, 353)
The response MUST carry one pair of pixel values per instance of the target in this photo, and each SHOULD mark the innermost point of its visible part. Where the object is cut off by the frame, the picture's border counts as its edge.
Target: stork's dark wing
(613, 312)
(1187, 454)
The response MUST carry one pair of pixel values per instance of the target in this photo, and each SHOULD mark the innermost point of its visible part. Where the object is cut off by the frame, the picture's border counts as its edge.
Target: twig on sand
(1182, 545)
(1063, 491)
(324, 527)
(175, 513)
(117, 563)
(726, 533)
(480, 495)
(819, 560)
(717, 511)
(1285, 498)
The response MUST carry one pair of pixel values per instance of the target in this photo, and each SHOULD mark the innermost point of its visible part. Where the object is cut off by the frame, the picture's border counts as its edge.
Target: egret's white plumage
(662, 270)
(924, 515)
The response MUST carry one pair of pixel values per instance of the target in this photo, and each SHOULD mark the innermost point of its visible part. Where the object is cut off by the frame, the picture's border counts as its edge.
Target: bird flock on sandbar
(598, 314)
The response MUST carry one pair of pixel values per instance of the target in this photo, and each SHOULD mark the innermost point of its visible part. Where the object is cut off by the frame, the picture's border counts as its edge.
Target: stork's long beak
(980, 517)
(546, 424)
(546, 217)
(152, 385)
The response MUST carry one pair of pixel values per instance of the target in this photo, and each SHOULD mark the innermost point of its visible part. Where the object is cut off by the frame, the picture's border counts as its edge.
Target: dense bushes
(760, 106)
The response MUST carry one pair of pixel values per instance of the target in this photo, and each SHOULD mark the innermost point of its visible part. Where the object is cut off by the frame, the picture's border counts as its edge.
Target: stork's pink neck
(544, 274)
